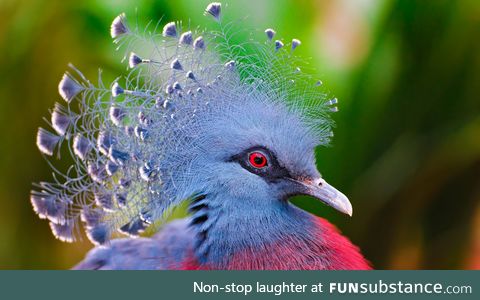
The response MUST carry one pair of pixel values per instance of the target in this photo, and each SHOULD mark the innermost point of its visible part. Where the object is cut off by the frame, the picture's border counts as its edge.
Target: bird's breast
(323, 248)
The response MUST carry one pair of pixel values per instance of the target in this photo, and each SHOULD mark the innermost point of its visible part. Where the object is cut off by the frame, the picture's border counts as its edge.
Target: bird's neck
(283, 237)
(222, 231)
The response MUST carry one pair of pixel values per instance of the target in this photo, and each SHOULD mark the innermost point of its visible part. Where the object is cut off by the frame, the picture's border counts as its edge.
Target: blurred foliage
(407, 145)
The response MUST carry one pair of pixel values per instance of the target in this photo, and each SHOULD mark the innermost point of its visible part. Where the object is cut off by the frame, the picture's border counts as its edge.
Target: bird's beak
(326, 193)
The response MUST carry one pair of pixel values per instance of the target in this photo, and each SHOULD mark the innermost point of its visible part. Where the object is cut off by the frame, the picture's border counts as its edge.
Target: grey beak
(329, 195)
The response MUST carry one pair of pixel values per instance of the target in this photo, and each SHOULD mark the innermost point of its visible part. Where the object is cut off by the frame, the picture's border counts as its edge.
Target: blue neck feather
(222, 230)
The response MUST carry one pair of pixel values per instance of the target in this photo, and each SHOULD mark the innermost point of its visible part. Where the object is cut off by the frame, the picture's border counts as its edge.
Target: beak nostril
(320, 189)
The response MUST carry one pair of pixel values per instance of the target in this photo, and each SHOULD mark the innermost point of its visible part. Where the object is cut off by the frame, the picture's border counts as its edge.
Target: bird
(229, 128)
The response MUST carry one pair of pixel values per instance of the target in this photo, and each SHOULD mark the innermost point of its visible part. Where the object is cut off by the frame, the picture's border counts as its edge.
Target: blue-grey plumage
(197, 119)
(119, 26)
(168, 249)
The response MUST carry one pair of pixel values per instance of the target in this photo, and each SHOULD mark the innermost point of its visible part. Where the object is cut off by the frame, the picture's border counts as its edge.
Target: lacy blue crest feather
(135, 144)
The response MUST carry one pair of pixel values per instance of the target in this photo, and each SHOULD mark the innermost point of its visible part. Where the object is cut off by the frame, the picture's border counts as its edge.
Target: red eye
(258, 160)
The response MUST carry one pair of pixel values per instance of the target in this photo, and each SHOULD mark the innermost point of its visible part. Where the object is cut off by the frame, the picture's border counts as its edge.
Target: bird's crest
(132, 143)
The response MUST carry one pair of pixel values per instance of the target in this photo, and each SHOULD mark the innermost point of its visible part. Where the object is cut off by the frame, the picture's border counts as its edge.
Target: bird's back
(171, 248)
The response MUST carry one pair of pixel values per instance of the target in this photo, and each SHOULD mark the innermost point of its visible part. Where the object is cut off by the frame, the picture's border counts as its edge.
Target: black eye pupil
(258, 160)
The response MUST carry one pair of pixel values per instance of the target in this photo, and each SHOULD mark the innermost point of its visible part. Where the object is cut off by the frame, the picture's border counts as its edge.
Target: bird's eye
(258, 160)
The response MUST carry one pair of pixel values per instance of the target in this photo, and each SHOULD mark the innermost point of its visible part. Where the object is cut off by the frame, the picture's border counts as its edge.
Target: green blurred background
(407, 145)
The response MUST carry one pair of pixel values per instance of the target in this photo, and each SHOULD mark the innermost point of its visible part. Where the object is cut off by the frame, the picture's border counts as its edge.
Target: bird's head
(257, 155)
